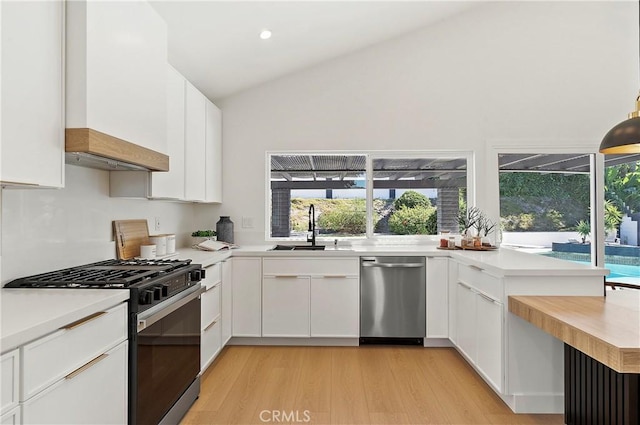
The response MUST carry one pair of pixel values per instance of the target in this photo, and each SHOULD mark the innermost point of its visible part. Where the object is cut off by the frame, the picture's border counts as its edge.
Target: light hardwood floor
(348, 385)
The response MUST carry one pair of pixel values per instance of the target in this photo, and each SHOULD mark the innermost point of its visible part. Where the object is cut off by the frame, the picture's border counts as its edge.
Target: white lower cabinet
(96, 393)
(75, 375)
(210, 344)
(480, 325)
(489, 339)
(437, 297)
(335, 307)
(466, 320)
(305, 297)
(285, 306)
(9, 385)
(247, 297)
(227, 301)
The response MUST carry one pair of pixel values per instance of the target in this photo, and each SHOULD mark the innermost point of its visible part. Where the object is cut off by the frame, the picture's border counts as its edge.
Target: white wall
(49, 229)
(508, 71)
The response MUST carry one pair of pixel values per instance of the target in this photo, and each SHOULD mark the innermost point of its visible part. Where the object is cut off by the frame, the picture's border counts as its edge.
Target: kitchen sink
(297, 248)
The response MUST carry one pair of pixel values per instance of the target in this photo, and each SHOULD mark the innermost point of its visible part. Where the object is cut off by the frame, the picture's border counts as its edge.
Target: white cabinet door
(335, 307)
(437, 298)
(452, 288)
(285, 306)
(10, 373)
(466, 320)
(211, 344)
(96, 393)
(227, 296)
(247, 297)
(213, 153)
(32, 93)
(170, 184)
(210, 306)
(195, 158)
(117, 71)
(489, 339)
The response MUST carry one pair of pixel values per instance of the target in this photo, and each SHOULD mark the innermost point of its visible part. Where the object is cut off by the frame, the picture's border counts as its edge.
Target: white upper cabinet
(194, 149)
(213, 153)
(32, 143)
(171, 184)
(116, 71)
(203, 148)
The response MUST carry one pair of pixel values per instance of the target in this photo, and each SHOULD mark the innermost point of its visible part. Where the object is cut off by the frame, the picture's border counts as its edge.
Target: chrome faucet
(312, 225)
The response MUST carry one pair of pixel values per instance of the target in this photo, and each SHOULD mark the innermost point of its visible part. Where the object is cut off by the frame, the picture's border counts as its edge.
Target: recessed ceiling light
(265, 34)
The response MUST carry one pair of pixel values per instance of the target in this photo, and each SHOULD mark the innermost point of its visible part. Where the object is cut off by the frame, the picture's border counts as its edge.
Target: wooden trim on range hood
(87, 140)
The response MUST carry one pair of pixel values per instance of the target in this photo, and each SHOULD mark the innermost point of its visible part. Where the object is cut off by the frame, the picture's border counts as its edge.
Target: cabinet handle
(475, 268)
(329, 276)
(488, 298)
(465, 286)
(81, 369)
(287, 276)
(83, 321)
(212, 323)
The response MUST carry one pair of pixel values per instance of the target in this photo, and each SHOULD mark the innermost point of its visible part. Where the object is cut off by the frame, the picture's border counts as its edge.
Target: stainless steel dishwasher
(392, 300)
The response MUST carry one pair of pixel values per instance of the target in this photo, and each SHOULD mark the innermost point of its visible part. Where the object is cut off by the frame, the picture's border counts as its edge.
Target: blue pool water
(618, 270)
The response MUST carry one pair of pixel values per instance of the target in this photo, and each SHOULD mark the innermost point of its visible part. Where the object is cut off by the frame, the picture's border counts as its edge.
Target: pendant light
(625, 137)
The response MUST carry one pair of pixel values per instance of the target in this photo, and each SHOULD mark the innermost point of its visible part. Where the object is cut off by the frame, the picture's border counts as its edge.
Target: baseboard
(311, 342)
(437, 342)
(535, 403)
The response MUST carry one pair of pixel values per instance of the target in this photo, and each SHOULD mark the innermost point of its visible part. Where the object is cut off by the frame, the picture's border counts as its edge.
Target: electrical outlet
(157, 225)
(247, 222)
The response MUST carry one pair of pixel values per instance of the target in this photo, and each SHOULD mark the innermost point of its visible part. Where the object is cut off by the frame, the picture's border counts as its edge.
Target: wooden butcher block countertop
(605, 328)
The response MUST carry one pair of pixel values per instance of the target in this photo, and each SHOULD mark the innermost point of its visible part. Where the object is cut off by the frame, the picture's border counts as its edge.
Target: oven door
(165, 357)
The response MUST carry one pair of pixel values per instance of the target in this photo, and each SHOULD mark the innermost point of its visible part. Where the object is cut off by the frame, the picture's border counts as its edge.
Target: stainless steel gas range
(164, 328)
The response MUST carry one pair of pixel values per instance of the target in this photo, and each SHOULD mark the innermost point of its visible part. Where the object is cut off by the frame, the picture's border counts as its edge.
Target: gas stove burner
(104, 274)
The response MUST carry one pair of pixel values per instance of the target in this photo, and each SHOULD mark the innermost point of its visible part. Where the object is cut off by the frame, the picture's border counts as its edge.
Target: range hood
(90, 148)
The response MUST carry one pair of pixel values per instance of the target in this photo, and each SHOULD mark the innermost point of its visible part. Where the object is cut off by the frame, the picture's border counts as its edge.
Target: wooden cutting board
(130, 234)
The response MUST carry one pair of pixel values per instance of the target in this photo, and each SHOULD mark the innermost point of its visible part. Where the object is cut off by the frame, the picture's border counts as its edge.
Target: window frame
(370, 156)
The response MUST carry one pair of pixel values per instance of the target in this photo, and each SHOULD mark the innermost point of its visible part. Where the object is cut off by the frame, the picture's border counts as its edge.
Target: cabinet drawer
(310, 267)
(213, 275)
(210, 343)
(9, 371)
(95, 393)
(481, 280)
(52, 357)
(210, 306)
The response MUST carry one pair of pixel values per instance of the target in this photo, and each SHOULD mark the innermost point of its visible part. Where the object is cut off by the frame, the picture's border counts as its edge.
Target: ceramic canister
(171, 243)
(148, 251)
(161, 244)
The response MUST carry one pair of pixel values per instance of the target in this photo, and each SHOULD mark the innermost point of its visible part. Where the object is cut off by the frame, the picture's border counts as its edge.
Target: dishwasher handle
(394, 265)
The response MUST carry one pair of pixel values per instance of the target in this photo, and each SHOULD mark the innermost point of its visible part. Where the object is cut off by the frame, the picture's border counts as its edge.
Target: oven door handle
(149, 318)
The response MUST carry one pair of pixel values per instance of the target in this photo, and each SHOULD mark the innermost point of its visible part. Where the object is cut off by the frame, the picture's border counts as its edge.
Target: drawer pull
(475, 268)
(212, 323)
(83, 320)
(465, 286)
(488, 298)
(81, 369)
(286, 276)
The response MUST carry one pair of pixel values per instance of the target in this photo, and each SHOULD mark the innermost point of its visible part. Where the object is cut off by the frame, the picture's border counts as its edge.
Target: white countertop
(29, 314)
(501, 262)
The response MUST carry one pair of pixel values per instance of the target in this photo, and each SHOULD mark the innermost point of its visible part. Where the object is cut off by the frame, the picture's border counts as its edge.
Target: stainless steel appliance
(392, 300)
(164, 328)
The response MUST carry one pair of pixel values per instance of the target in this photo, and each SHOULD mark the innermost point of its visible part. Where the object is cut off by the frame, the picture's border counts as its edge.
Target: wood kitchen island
(602, 351)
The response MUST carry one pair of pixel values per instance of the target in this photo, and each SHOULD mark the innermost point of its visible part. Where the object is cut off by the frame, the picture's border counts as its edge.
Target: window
(334, 184)
(417, 195)
(365, 194)
(622, 218)
(545, 202)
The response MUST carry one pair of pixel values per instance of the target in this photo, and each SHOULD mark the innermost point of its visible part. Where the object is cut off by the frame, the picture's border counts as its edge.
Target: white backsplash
(48, 229)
